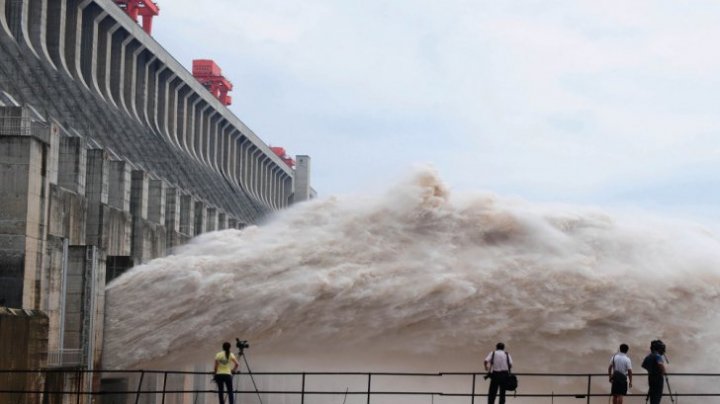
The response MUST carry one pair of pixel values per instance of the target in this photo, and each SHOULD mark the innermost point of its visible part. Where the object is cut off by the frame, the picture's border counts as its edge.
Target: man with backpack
(654, 363)
(498, 365)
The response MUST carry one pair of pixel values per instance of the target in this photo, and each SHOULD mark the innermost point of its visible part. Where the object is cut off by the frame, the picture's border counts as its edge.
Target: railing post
(302, 391)
(472, 399)
(588, 391)
(164, 386)
(79, 382)
(137, 393)
(369, 382)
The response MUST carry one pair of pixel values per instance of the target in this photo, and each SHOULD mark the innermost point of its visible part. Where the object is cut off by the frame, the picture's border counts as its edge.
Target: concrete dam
(111, 153)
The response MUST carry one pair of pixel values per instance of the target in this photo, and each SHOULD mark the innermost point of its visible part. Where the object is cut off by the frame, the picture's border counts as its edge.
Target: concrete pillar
(197, 127)
(212, 219)
(262, 180)
(233, 141)
(243, 164)
(82, 41)
(172, 217)
(261, 186)
(302, 178)
(132, 85)
(23, 159)
(119, 190)
(158, 99)
(102, 61)
(96, 192)
(23, 345)
(275, 173)
(288, 190)
(181, 114)
(253, 164)
(72, 164)
(73, 299)
(56, 33)
(192, 126)
(96, 67)
(165, 101)
(3, 21)
(127, 46)
(170, 106)
(224, 150)
(200, 218)
(232, 223)
(187, 215)
(156, 201)
(27, 14)
(84, 302)
(148, 94)
(139, 212)
(39, 29)
(205, 142)
(20, 239)
(222, 221)
(139, 194)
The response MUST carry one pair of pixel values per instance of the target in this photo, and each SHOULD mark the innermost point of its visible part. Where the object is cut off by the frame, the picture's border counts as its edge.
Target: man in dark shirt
(654, 363)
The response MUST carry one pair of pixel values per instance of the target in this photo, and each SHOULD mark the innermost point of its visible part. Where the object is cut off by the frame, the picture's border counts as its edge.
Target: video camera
(241, 345)
(658, 346)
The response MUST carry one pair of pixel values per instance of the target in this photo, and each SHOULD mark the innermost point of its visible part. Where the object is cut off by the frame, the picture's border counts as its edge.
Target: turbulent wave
(419, 278)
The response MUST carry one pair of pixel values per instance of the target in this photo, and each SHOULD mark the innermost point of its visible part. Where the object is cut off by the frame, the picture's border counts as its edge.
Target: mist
(422, 279)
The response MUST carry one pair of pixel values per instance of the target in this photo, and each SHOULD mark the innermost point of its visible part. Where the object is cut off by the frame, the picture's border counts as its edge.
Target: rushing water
(419, 278)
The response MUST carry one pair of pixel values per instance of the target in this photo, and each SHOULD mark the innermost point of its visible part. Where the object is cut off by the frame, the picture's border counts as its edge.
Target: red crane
(145, 8)
(209, 74)
(280, 152)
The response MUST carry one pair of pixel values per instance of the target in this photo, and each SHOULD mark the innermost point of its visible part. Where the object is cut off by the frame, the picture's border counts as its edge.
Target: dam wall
(111, 154)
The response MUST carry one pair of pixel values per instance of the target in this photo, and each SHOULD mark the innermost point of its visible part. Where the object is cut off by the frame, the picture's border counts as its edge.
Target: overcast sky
(595, 102)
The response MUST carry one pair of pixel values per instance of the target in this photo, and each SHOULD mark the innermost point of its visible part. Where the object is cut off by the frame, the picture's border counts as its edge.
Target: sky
(605, 103)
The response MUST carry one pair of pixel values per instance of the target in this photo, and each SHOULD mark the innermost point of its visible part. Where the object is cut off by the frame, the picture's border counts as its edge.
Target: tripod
(667, 381)
(241, 345)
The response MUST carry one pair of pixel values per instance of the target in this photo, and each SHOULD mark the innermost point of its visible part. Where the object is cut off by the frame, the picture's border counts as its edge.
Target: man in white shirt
(620, 373)
(498, 364)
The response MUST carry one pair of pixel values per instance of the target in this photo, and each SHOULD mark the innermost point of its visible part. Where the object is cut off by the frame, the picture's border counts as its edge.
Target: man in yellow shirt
(223, 372)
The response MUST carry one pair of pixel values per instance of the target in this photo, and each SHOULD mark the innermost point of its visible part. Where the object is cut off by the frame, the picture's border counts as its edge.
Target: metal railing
(15, 126)
(369, 387)
(24, 126)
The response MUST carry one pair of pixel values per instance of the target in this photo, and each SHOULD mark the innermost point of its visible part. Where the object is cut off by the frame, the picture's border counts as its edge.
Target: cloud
(567, 100)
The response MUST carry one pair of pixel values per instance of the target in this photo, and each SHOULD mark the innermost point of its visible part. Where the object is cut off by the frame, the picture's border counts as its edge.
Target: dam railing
(161, 386)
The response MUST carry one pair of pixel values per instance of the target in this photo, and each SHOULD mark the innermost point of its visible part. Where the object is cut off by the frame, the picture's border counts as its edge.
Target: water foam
(420, 279)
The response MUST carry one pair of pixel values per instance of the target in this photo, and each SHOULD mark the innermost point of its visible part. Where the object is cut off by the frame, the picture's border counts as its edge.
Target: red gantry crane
(145, 8)
(280, 152)
(208, 73)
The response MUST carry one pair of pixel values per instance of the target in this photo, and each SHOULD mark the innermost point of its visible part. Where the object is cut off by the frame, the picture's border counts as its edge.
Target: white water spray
(422, 280)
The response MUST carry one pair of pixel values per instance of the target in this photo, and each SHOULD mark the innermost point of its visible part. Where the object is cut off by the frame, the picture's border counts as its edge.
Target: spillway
(420, 278)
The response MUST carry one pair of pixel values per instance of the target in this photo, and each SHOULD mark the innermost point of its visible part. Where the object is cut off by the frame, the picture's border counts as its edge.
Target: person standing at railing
(654, 363)
(498, 364)
(223, 372)
(620, 373)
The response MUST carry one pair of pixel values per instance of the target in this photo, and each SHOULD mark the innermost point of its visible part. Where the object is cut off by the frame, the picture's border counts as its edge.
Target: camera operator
(223, 372)
(654, 363)
(498, 364)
